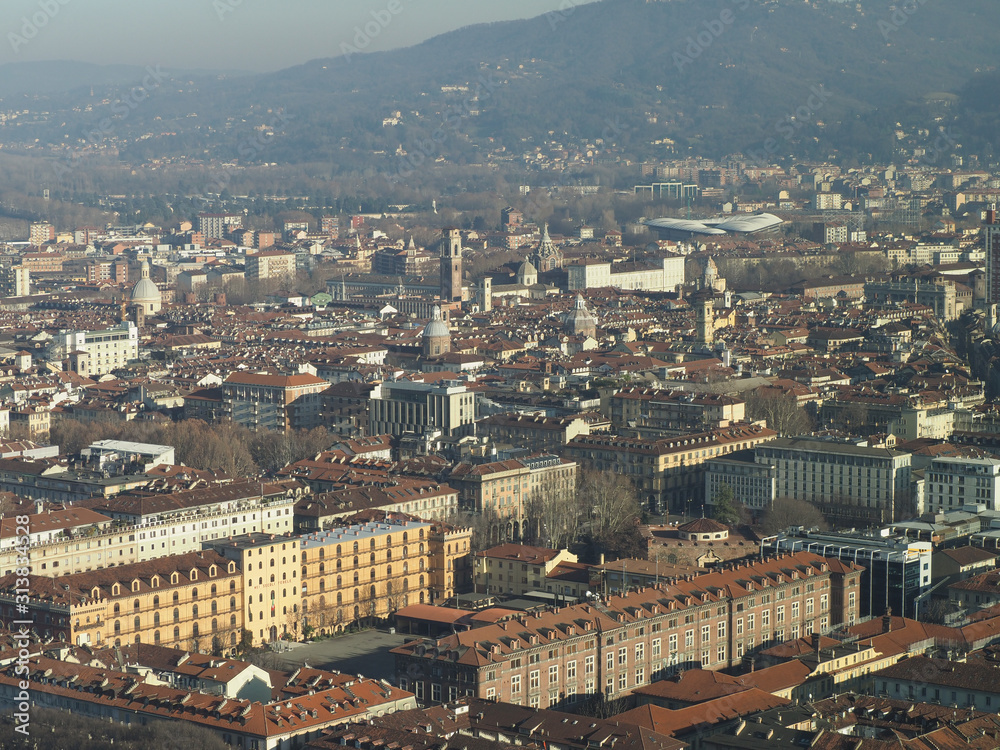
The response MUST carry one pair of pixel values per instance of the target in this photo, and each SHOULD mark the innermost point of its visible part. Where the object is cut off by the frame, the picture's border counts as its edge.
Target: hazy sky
(233, 34)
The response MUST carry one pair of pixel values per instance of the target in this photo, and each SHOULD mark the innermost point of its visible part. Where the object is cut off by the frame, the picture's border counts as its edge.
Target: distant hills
(774, 78)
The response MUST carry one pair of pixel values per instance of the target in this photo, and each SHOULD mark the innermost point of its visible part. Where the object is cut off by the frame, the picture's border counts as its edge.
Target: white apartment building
(107, 350)
(159, 525)
(412, 407)
(855, 483)
(950, 483)
(664, 275)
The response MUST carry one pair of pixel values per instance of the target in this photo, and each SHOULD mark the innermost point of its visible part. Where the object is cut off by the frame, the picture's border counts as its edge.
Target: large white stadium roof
(737, 224)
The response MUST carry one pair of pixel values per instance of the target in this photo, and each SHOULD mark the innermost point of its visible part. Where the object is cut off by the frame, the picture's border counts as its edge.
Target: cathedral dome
(145, 292)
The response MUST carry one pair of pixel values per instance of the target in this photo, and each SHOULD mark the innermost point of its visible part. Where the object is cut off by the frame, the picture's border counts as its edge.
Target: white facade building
(664, 275)
(951, 483)
(108, 349)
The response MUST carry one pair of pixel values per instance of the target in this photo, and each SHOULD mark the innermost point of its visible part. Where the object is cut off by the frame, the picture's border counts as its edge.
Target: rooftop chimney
(887, 621)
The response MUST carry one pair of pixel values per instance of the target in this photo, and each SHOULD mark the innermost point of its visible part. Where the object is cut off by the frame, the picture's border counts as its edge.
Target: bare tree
(780, 410)
(610, 499)
(790, 511)
(554, 514)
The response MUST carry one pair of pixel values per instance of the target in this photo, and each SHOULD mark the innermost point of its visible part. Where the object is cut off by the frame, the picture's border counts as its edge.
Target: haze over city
(409, 375)
(233, 35)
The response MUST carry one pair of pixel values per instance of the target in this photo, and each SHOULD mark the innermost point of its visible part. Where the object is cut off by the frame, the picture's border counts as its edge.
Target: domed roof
(527, 268)
(437, 328)
(579, 318)
(145, 290)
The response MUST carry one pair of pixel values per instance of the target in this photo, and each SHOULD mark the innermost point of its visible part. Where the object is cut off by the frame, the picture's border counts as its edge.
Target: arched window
(388, 571)
(177, 615)
(322, 585)
(194, 593)
(215, 607)
(214, 590)
(340, 582)
(388, 554)
(232, 585)
(340, 598)
(156, 619)
(118, 608)
(357, 595)
(177, 634)
(156, 602)
(136, 624)
(421, 563)
(355, 546)
(421, 581)
(339, 550)
(322, 568)
(156, 638)
(194, 610)
(215, 625)
(177, 597)
(406, 568)
(372, 543)
(272, 577)
(194, 630)
(232, 620)
(135, 606)
(356, 577)
(406, 551)
(339, 565)
(322, 553)
(405, 537)
(118, 627)
(371, 559)
(355, 559)
(232, 603)
(372, 575)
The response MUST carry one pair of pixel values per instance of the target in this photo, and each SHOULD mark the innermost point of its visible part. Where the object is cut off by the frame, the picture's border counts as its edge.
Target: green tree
(724, 506)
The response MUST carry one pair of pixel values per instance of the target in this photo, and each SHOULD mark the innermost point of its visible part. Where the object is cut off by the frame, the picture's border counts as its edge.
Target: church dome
(145, 290)
(437, 328)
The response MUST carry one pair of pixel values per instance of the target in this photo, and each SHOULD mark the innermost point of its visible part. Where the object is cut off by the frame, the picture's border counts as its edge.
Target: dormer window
(116, 590)
(135, 585)
(155, 582)
(212, 571)
(193, 575)
(174, 577)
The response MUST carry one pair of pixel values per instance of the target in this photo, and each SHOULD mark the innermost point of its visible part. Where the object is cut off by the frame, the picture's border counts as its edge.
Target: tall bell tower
(451, 266)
